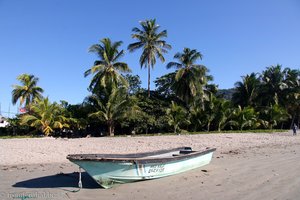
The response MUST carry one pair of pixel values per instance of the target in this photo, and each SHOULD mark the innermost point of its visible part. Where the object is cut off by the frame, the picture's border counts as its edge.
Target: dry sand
(245, 166)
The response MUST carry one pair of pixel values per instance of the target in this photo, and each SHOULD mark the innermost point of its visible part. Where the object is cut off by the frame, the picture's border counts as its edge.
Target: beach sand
(245, 166)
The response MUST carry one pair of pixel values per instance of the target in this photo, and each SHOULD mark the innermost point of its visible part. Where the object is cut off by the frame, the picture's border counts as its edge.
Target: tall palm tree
(246, 91)
(292, 93)
(28, 91)
(190, 77)
(273, 86)
(45, 116)
(107, 71)
(150, 40)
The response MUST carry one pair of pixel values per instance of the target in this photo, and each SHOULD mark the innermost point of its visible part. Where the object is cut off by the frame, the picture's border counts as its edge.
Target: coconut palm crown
(45, 116)
(246, 91)
(28, 91)
(190, 77)
(107, 71)
(150, 41)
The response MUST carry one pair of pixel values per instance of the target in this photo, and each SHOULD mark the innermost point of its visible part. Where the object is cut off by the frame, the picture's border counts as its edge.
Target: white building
(3, 122)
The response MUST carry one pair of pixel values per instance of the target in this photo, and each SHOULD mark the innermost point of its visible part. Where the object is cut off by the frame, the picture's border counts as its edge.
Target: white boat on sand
(110, 169)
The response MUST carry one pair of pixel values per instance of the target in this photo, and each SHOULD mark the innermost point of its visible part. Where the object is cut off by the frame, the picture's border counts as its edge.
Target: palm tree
(150, 40)
(223, 113)
(190, 77)
(107, 71)
(272, 86)
(118, 106)
(177, 116)
(28, 91)
(246, 91)
(292, 93)
(272, 115)
(244, 118)
(45, 116)
(210, 110)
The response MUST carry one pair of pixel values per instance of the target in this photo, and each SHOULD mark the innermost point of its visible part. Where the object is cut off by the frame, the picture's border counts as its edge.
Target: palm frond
(179, 74)
(134, 46)
(174, 64)
(122, 67)
(118, 56)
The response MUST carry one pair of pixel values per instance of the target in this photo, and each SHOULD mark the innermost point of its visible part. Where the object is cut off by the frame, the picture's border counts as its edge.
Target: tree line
(185, 100)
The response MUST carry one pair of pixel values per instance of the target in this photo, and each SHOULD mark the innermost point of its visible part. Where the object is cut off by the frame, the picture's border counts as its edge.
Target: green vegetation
(185, 101)
(45, 116)
(118, 107)
(177, 116)
(16, 137)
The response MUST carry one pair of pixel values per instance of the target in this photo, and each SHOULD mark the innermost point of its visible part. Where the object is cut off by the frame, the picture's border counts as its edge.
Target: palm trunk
(219, 127)
(293, 121)
(111, 128)
(208, 126)
(149, 79)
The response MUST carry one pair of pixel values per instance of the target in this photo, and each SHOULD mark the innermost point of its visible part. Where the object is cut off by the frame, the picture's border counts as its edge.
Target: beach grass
(210, 132)
(170, 133)
(245, 131)
(16, 136)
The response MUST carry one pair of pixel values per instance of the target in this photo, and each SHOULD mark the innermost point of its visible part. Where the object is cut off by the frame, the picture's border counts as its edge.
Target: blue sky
(50, 39)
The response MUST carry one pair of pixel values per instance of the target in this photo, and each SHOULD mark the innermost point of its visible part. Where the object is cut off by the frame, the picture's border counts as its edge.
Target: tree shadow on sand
(61, 180)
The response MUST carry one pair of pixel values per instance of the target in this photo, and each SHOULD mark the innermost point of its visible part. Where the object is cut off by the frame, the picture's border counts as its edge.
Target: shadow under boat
(62, 180)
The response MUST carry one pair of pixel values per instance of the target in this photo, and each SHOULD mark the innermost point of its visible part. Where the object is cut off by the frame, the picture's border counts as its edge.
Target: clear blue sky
(50, 38)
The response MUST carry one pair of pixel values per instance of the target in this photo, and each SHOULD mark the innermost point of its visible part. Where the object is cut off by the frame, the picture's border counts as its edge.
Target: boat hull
(109, 173)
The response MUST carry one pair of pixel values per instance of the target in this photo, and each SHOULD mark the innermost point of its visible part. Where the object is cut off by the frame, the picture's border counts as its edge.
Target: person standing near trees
(294, 129)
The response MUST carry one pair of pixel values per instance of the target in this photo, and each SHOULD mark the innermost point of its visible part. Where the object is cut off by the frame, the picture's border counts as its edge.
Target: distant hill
(226, 93)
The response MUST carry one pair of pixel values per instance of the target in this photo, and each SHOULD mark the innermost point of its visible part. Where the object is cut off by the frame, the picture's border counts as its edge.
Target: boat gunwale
(139, 157)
